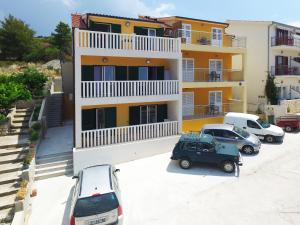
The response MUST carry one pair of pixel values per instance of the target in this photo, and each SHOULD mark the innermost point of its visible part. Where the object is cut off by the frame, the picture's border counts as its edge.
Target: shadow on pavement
(66, 217)
(200, 170)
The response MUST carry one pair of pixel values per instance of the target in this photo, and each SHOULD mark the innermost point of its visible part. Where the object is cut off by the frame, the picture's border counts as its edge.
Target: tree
(16, 38)
(62, 39)
(271, 90)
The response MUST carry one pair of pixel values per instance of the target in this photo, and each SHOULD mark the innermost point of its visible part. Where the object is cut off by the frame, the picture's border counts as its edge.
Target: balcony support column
(78, 99)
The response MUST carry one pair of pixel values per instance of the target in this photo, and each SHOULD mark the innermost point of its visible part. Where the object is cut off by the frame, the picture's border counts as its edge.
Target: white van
(253, 124)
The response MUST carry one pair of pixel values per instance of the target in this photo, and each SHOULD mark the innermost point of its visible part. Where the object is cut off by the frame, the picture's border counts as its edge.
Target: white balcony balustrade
(116, 135)
(133, 42)
(101, 89)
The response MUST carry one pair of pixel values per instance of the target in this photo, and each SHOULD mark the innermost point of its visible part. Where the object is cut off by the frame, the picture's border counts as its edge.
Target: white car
(253, 124)
(96, 197)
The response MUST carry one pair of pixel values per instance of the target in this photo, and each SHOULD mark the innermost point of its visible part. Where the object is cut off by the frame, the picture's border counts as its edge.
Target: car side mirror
(117, 170)
(75, 177)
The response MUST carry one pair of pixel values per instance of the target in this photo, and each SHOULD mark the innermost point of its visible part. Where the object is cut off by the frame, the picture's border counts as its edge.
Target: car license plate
(97, 221)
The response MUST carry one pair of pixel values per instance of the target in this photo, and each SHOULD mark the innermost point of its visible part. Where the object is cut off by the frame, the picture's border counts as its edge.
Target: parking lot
(157, 191)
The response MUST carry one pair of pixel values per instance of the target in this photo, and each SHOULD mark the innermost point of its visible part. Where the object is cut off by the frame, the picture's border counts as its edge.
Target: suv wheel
(288, 129)
(247, 149)
(185, 163)
(269, 139)
(228, 166)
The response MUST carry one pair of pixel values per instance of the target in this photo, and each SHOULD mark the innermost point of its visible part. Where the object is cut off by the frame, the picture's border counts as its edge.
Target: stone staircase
(13, 150)
(11, 164)
(20, 122)
(55, 110)
(54, 165)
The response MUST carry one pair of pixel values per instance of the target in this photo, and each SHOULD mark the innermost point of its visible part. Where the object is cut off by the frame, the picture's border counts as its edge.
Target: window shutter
(141, 31)
(87, 73)
(160, 73)
(121, 73)
(110, 117)
(116, 28)
(134, 115)
(162, 112)
(159, 32)
(88, 119)
(133, 73)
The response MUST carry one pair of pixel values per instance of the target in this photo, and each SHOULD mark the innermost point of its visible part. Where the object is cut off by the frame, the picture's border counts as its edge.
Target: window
(218, 133)
(209, 132)
(152, 32)
(148, 114)
(190, 147)
(229, 134)
(241, 132)
(252, 124)
(264, 124)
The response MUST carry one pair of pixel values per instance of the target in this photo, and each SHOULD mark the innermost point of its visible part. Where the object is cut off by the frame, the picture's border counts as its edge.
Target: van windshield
(94, 205)
(241, 132)
(264, 124)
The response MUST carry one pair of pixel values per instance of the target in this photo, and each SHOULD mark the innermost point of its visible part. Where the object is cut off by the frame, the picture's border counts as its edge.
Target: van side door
(254, 128)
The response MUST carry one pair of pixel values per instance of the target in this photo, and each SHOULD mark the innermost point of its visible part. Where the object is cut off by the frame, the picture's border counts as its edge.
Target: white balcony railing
(116, 41)
(99, 89)
(116, 135)
(211, 39)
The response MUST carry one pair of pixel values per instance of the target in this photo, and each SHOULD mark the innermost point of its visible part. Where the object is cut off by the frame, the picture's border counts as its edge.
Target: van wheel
(288, 129)
(185, 163)
(228, 166)
(247, 149)
(269, 139)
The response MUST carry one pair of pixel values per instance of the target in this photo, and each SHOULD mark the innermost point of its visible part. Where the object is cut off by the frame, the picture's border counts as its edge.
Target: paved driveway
(156, 191)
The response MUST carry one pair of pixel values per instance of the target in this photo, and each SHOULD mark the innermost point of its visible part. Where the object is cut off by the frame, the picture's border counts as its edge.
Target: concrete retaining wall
(121, 153)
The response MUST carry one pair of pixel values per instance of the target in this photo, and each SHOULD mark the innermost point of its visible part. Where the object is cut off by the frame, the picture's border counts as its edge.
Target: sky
(43, 15)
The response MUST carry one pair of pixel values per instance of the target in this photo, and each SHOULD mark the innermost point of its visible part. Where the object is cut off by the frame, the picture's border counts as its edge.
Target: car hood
(275, 130)
(227, 149)
(253, 139)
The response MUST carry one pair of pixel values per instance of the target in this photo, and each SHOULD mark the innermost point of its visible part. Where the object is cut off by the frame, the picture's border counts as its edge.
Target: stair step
(24, 110)
(10, 167)
(54, 174)
(54, 158)
(6, 216)
(7, 202)
(18, 145)
(10, 151)
(57, 163)
(20, 119)
(17, 157)
(53, 168)
(18, 131)
(8, 189)
(20, 125)
(10, 177)
(22, 115)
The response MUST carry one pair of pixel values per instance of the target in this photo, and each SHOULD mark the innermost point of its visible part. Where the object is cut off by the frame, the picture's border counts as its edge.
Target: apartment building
(273, 48)
(139, 82)
(211, 86)
(127, 77)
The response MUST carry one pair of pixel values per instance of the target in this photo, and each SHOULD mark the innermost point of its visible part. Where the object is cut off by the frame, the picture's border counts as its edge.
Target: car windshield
(264, 124)
(241, 132)
(94, 205)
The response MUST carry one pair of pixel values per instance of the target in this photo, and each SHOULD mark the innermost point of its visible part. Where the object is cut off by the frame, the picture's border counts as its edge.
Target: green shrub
(36, 126)
(32, 79)
(33, 136)
(10, 92)
(3, 118)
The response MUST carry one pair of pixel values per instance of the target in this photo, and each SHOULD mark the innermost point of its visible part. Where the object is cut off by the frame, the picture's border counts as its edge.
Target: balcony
(208, 111)
(207, 41)
(288, 43)
(204, 76)
(117, 135)
(129, 45)
(115, 92)
(283, 70)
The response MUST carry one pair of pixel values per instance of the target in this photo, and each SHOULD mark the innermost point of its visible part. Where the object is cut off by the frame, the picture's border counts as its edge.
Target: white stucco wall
(114, 154)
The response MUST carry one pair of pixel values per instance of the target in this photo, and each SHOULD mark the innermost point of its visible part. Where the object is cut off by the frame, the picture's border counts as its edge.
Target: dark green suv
(202, 148)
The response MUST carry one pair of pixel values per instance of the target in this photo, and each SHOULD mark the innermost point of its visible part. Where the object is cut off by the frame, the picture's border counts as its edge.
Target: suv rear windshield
(95, 205)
